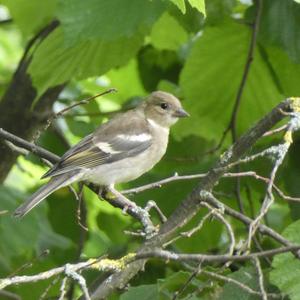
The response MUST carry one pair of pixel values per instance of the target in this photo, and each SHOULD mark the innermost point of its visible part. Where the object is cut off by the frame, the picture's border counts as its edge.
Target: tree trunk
(17, 115)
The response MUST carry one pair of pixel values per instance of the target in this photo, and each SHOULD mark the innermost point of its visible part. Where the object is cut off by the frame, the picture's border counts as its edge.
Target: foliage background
(193, 49)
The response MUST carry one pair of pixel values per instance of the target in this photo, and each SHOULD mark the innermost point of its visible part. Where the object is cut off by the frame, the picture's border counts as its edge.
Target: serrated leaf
(53, 63)
(211, 77)
(167, 33)
(199, 5)
(107, 20)
(180, 4)
(286, 268)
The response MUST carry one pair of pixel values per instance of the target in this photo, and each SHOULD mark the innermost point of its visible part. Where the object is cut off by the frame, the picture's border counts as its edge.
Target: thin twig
(151, 204)
(219, 215)
(269, 198)
(239, 284)
(92, 114)
(191, 232)
(78, 197)
(260, 278)
(213, 212)
(209, 198)
(63, 288)
(266, 180)
(66, 109)
(196, 272)
(279, 152)
(70, 272)
(276, 130)
(269, 152)
(249, 60)
(53, 158)
(50, 285)
(101, 264)
(205, 258)
(83, 102)
(176, 177)
(237, 104)
(159, 183)
(30, 263)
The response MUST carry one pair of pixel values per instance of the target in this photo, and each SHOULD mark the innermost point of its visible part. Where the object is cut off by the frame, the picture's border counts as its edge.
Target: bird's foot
(117, 199)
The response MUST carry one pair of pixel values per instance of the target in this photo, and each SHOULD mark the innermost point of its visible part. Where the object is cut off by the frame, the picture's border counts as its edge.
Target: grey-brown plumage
(120, 150)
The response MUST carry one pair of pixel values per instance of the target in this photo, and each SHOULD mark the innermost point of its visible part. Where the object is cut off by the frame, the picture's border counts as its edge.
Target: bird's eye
(164, 105)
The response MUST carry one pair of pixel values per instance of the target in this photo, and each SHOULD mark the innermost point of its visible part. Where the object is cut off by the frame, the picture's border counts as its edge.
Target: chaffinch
(120, 150)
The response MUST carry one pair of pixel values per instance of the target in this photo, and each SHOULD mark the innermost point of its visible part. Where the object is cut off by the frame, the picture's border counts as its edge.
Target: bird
(118, 151)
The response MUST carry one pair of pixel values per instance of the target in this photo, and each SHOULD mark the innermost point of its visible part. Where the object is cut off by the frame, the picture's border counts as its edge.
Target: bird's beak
(180, 113)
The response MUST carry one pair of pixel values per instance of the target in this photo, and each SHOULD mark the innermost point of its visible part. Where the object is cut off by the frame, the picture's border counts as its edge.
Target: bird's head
(163, 108)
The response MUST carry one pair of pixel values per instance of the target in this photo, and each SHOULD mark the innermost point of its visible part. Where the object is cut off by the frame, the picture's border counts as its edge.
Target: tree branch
(205, 258)
(191, 205)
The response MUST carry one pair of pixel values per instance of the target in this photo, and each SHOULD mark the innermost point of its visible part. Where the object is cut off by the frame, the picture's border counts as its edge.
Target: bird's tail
(54, 184)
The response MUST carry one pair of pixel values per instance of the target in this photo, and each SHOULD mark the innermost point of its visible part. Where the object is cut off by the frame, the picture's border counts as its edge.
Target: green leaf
(31, 15)
(107, 20)
(22, 237)
(199, 5)
(10, 52)
(145, 292)
(100, 240)
(246, 276)
(280, 26)
(180, 4)
(290, 178)
(171, 284)
(127, 80)
(80, 128)
(211, 77)
(22, 181)
(286, 268)
(54, 63)
(155, 65)
(167, 33)
(106, 222)
(286, 71)
(219, 10)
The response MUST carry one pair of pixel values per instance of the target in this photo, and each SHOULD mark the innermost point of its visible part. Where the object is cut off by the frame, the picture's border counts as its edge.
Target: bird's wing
(122, 137)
